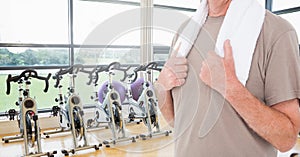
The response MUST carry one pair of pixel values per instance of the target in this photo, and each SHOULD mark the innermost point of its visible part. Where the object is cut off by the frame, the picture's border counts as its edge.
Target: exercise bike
(29, 122)
(73, 111)
(110, 97)
(100, 115)
(12, 113)
(60, 110)
(142, 100)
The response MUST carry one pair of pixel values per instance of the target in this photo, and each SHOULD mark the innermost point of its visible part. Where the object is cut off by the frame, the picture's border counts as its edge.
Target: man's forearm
(271, 124)
(165, 104)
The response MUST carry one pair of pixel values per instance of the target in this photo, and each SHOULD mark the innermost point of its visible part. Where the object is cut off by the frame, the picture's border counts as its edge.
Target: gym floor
(160, 146)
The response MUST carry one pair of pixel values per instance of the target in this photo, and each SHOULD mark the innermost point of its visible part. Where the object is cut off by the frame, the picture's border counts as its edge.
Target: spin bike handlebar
(126, 75)
(117, 66)
(149, 66)
(125, 72)
(90, 73)
(70, 70)
(26, 74)
(112, 66)
(99, 70)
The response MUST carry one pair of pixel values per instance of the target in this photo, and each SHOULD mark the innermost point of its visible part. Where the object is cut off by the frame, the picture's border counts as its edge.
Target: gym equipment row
(137, 93)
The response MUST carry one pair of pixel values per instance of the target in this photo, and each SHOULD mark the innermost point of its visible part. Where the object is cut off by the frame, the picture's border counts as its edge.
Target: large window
(32, 56)
(26, 26)
(33, 34)
(110, 28)
(289, 10)
(90, 16)
(285, 4)
(293, 18)
(34, 21)
(44, 34)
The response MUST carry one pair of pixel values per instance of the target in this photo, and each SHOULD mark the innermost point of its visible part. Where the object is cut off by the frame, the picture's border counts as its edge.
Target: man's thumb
(227, 50)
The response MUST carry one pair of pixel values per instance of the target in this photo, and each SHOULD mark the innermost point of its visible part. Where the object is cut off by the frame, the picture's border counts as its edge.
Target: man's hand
(172, 75)
(217, 72)
(174, 72)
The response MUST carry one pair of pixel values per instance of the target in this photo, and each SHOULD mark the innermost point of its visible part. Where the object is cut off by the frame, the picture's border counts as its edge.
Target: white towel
(242, 25)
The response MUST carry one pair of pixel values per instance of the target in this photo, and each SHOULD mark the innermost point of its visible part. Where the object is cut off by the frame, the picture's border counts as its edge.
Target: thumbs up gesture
(217, 72)
(174, 71)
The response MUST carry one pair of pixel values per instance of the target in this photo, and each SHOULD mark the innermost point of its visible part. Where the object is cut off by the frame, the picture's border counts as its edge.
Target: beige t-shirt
(274, 77)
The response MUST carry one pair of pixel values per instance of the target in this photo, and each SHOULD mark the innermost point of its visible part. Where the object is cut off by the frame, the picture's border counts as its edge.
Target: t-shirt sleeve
(282, 81)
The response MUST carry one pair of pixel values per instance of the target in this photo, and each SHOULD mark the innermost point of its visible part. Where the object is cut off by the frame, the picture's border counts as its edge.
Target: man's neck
(218, 7)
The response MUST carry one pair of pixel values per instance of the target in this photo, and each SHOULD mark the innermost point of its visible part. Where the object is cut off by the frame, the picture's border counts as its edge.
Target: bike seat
(116, 85)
